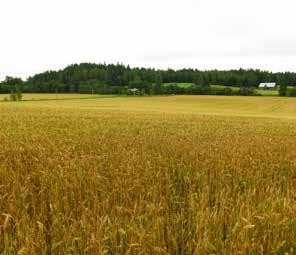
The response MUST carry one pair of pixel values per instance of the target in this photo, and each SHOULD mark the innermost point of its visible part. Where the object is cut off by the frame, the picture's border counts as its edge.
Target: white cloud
(37, 35)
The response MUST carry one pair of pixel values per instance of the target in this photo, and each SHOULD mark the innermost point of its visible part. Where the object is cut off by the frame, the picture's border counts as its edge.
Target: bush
(19, 95)
(246, 91)
(221, 91)
(283, 90)
(292, 92)
(13, 96)
(227, 91)
(16, 94)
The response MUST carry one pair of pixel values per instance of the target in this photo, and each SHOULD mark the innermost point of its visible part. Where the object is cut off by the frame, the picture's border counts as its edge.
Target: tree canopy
(115, 78)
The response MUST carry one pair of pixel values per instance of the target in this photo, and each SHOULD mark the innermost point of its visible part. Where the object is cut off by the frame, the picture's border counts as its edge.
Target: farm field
(148, 175)
(262, 92)
(180, 84)
(48, 96)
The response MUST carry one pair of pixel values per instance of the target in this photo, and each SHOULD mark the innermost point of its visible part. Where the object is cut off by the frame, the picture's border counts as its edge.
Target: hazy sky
(38, 35)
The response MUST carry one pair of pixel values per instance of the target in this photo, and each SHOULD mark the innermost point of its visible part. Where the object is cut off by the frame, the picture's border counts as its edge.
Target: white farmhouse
(270, 85)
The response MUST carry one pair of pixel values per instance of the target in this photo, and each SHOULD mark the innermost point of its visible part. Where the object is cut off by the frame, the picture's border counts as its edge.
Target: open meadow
(148, 175)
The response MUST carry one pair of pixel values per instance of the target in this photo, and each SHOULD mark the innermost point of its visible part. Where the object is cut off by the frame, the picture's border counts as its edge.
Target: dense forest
(117, 79)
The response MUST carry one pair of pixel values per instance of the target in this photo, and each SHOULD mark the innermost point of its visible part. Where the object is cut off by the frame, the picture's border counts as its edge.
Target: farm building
(134, 91)
(270, 85)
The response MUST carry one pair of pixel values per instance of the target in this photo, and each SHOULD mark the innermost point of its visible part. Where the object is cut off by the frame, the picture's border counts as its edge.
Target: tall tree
(14, 85)
(283, 90)
(158, 84)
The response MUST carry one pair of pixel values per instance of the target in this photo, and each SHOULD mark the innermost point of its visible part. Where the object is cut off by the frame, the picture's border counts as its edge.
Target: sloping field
(161, 175)
(47, 96)
(206, 105)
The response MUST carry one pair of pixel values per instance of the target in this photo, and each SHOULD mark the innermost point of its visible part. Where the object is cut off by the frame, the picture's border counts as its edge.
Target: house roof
(267, 85)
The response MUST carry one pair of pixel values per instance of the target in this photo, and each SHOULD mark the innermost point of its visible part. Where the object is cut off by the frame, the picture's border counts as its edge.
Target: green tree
(158, 85)
(283, 90)
(14, 85)
(80, 77)
(198, 79)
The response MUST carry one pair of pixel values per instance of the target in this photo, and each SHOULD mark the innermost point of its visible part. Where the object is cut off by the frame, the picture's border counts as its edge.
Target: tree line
(118, 79)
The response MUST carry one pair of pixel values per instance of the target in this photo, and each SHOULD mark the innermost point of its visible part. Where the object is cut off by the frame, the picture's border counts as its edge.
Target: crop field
(148, 175)
(47, 96)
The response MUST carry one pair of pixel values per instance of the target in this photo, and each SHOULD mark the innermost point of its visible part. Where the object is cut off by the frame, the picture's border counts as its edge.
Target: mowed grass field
(148, 175)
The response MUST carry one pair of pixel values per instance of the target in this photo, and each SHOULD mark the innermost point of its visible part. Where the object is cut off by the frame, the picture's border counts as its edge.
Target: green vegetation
(268, 92)
(292, 92)
(181, 85)
(14, 86)
(197, 89)
(119, 79)
(151, 175)
(224, 87)
(283, 90)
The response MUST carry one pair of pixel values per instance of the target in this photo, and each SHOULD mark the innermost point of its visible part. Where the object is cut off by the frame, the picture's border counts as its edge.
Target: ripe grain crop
(163, 175)
(48, 96)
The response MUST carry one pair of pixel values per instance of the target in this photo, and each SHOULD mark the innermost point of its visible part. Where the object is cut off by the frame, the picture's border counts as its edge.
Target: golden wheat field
(48, 96)
(150, 175)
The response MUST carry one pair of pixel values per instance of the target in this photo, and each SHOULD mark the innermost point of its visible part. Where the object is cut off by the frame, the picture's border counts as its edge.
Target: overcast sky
(38, 35)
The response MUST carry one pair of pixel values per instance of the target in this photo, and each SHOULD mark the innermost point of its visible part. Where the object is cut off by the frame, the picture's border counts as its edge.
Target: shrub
(247, 91)
(292, 92)
(19, 95)
(283, 90)
(13, 96)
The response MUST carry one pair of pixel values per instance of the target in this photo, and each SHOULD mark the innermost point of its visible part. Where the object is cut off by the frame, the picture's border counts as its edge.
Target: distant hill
(114, 78)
